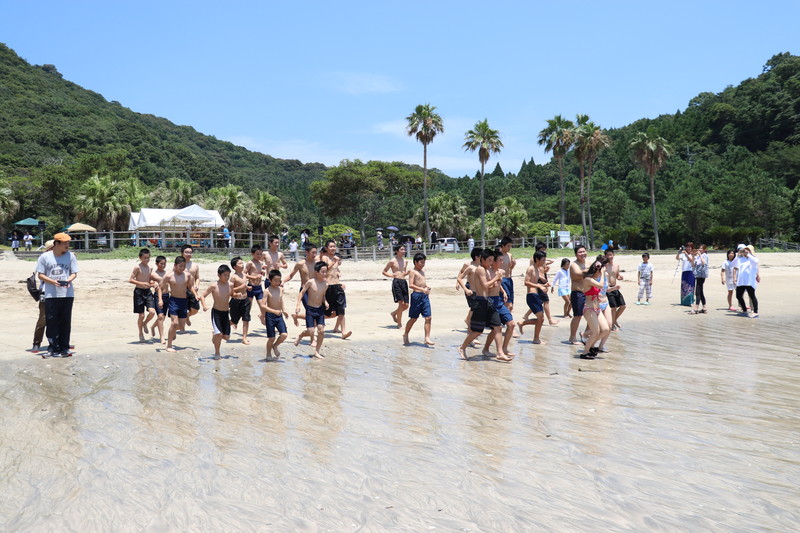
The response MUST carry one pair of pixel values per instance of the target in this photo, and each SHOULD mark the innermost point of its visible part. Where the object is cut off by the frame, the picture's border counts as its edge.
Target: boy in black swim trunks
(144, 279)
(274, 313)
(397, 269)
(240, 303)
(193, 269)
(315, 308)
(222, 291)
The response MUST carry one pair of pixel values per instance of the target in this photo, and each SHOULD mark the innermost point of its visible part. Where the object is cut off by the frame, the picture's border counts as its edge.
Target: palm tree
(233, 205)
(597, 142)
(134, 193)
(485, 140)
(425, 125)
(448, 213)
(268, 213)
(651, 152)
(102, 203)
(176, 193)
(8, 205)
(557, 138)
(580, 135)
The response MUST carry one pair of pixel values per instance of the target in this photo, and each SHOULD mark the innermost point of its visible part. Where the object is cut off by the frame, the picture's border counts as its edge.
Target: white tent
(133, 221)
(163, 219)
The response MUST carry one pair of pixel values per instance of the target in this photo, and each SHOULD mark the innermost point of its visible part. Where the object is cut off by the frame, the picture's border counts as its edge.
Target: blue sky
(325, 81)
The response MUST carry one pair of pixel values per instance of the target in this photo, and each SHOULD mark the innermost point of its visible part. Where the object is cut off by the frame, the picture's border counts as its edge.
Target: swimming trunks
(255, 290)
(563, 292)
(337, 301)
(400, 290)
(470, 297)
(420, 305)
(240, 310)
(178, 307)
(615, 299)
(275, 322)
(534, 302)
(220, 322)
(163, 309)
(508, 286)
(142, 298)
(484, 315)
(315, 316)
(192, 302)
(502, 310)
(578, 300)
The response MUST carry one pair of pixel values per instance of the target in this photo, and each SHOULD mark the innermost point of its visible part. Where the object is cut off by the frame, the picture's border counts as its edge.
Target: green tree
(651, 152)
(596, 141)
(580, 135)
(557, 138)
(268, 213)
(134, 193)
(424, 124)
(102, 203)
(176, 193)
(360, 189)
(448, 214)
(233, 205)
(509, 217)
(485, 140)
(8, 205)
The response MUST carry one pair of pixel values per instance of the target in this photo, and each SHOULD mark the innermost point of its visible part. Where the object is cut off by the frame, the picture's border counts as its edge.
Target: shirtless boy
(498, 298)
(161, 299)
(194, 269)
(222, 291)
(306, 269)
(536, 285)
(577, 271)
(397, 269)
(179, 284)
(615, 300)
(274, 313)
(462, 280)
(507, 264)
(143, 278)
(315, 288)
(335, 295)
(240, 304)
(420, 302)
(484, 314)
(274, 256)
(254, 272)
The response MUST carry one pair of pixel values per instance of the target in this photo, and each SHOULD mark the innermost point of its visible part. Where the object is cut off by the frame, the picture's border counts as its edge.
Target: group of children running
(159, 294)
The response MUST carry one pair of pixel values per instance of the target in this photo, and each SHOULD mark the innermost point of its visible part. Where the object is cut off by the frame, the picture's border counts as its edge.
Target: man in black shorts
(397, 269)
(577, 271)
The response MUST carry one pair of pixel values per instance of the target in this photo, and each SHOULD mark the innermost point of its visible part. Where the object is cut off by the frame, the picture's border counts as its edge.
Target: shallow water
(659, 435)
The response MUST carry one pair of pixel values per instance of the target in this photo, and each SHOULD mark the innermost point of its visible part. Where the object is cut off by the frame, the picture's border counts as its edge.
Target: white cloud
(357, 83)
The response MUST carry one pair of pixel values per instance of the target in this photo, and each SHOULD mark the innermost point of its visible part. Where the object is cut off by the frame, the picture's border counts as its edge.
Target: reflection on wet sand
(683, 426)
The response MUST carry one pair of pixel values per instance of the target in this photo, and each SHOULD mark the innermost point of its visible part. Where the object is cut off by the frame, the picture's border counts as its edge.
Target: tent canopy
(27, 222)
(133, 221)
(158, 219)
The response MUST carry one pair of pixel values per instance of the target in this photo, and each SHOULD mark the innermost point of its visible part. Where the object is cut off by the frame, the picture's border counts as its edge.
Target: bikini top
(594, 291)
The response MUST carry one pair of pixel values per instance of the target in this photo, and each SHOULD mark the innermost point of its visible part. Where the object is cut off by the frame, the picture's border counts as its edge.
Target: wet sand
(690, 423)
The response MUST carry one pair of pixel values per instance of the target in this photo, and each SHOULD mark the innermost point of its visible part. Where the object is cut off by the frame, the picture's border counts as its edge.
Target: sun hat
(62, 237)
(740, 247)
(49, 245)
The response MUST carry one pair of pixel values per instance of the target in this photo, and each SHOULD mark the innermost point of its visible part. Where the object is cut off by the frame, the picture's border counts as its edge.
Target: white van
(447, 244)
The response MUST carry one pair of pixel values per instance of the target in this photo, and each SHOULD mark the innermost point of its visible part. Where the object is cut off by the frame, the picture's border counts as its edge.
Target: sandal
(693, 312)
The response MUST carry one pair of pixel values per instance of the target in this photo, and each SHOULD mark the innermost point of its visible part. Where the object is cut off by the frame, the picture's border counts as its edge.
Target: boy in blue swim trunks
(254, 272)
(178, 284)
(499, 299)
(507, 264)
(315, 309)
(537, 285)
(222, 291)
(274, 313)
(240, 304)
(161, 299)
(420, 303)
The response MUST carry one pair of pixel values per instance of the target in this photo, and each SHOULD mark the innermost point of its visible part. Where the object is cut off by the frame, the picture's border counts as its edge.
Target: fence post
(86, 239)
(355, 254)
(112, 240)
(251, 240)
(374, 253)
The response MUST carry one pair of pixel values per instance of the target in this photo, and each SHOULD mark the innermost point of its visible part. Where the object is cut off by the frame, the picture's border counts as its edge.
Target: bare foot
(188, 322)
(294, 317)
(217, 356)
(553, 322)
(245, 341)
(144, 328)
(276, 352)
(511, 355)
(163, 341)
(345, 335)
(393, 314)
(405, 339)
(503, 358)
(141, 338)
(318, 355)
(297, 341)
(337, 331)
(171, 350)
(474, 344)
(462, 354)
(537, 341)
(429, 342)
(487, 353)
(520, 329)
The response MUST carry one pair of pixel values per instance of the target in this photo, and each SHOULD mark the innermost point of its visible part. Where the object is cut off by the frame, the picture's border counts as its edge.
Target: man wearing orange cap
(57, 269)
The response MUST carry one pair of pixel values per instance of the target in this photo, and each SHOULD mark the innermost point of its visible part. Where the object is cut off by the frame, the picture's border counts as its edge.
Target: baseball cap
(740, 247)
(62, 237)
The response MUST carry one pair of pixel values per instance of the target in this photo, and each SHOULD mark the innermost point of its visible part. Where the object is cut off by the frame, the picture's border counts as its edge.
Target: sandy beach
(690, 423)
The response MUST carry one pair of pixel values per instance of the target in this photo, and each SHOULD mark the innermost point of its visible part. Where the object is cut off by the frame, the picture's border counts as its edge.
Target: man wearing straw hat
(57, 269)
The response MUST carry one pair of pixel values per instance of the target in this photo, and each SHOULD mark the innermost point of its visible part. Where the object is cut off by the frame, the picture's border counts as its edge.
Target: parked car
(447, 244)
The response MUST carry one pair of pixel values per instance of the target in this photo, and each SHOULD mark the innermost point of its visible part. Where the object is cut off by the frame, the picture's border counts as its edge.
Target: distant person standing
(57, 269)
(746, 278)
(28, 240)
(470, 243)
(15, 236)
(293, 248)
(380, 240)
(226, 236)
(434, 238)
(686, 256)
(285, 237)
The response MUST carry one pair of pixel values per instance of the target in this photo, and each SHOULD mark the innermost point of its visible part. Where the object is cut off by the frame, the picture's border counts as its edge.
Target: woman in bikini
(594, 315)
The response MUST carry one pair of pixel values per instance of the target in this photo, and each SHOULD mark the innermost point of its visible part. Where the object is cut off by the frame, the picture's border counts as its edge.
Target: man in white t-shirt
(57, 269)
(746, 278)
